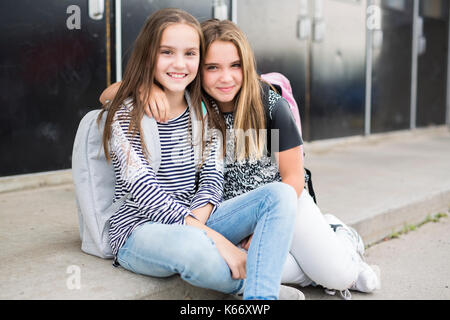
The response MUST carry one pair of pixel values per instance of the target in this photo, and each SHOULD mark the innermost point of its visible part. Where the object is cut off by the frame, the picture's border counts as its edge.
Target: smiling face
(178, 58)
(222, 73)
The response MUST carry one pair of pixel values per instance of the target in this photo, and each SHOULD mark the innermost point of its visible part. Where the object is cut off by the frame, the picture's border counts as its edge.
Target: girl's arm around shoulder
(110, 92)
(290, 160)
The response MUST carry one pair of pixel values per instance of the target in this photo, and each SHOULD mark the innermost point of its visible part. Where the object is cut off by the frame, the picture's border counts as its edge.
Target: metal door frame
(369, 69)
(414, 66)
(447, 117)
(118, 39)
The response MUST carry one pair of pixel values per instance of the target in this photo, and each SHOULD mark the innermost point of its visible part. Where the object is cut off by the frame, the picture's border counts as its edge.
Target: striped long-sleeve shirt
(168, 195)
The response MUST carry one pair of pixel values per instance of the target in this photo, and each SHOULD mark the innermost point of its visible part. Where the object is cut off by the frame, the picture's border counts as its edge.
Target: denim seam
(239, 288)
(266, 207)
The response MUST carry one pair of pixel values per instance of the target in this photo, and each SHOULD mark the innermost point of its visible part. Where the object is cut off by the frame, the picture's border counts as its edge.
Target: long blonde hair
(139, 74)
(249, 114)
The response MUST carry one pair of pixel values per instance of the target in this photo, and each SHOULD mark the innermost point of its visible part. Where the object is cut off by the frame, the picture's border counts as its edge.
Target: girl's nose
(225, 76)
(179, 61)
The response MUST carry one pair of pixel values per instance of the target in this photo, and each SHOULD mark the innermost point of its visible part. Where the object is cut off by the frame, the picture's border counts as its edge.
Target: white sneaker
(344, 230)
(368, 278)
(368, 281)
(290, 293)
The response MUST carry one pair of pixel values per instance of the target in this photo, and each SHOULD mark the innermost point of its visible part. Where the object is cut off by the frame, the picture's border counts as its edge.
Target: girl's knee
(285, 196)
(282, 192)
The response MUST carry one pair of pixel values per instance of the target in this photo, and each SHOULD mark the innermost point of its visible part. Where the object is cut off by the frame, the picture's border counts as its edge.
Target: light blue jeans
(268, 212)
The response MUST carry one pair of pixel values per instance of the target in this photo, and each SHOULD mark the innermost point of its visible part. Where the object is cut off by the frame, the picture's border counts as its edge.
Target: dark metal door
(272, 30)
(432, 66)
(338, 69)
(326, 68)
(51, 73)
(392, 65)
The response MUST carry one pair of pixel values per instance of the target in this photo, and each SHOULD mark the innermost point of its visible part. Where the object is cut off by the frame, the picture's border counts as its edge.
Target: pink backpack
(279, 80)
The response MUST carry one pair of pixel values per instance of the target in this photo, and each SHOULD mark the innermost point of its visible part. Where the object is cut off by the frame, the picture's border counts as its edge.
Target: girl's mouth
(226, 89)
(176, 75)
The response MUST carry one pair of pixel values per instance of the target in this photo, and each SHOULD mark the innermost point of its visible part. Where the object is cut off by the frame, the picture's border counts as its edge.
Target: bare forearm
(203, 213)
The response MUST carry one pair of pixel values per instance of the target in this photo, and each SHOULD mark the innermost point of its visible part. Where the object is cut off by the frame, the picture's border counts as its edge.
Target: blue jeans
(268, 212)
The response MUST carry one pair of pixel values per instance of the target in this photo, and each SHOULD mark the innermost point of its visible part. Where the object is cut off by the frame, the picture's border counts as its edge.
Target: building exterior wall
(356, 66)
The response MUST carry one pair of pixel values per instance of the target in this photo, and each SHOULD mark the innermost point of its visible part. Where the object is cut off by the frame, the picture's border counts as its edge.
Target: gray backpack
(94, 177)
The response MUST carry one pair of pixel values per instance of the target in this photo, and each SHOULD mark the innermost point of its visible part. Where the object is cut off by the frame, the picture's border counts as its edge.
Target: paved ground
(376, 184)
(413, 266)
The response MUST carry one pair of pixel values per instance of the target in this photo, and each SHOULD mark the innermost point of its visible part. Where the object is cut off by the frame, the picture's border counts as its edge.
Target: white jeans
(318, 255)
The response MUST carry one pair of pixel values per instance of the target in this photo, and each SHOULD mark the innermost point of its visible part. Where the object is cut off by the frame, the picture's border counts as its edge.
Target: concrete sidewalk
(376, 184)
(414, 266)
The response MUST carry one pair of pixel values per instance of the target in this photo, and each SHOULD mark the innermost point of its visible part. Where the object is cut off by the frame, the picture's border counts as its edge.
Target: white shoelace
(345, 294)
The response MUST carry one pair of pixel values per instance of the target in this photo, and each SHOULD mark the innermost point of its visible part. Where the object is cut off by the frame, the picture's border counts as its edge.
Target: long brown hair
(139, 75)
(249, 111)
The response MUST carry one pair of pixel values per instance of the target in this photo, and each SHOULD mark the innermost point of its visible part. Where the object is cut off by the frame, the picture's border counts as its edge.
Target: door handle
(422, 41)
(220, 10)
(373, 24)
(303, 21)
(96, 9)
(319, 22)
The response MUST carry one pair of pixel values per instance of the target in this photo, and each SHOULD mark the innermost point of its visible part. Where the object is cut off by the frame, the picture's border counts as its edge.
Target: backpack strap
(150, 136)
(308, 180)
(196, 132)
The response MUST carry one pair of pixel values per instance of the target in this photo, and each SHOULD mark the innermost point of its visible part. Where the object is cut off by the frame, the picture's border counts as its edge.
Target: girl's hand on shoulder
(157, 105)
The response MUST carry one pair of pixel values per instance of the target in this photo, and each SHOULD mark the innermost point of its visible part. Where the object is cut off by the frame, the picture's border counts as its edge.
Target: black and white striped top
(169, 195)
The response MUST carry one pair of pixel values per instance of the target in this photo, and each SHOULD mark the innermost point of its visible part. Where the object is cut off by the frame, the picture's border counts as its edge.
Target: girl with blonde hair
(173, 220)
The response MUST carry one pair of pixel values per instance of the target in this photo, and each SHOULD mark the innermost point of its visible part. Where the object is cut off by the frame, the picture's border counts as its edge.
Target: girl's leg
(368, 277)
(293, 274)
(367, 280)
(161, 250)
(269, 213)
(319, 251)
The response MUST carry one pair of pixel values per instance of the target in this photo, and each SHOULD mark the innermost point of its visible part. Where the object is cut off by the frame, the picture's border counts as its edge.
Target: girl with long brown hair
(173, 220)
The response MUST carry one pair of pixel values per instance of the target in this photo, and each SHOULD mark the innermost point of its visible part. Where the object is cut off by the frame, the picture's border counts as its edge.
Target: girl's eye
(211, 68)
(191, 53)
(166, 52)
(236, 65)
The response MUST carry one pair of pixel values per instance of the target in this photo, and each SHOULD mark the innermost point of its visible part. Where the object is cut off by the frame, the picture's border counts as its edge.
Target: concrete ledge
(382, 224)
(35, 180)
